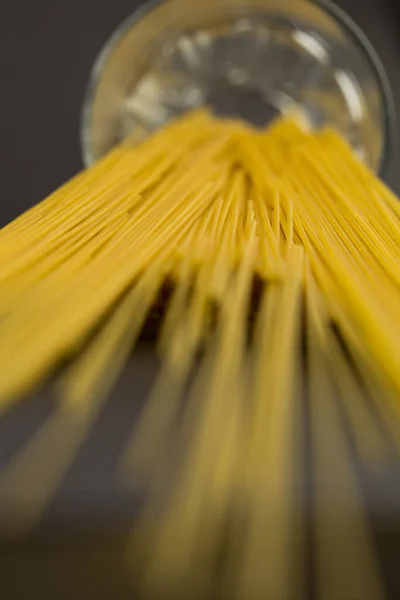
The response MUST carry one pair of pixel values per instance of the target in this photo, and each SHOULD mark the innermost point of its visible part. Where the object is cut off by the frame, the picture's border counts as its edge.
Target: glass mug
(248, 58)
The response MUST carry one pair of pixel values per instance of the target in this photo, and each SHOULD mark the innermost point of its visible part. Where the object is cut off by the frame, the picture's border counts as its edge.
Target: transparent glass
(248, 58)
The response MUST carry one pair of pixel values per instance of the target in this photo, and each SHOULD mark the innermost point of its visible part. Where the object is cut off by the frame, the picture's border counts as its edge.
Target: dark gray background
(47, 48)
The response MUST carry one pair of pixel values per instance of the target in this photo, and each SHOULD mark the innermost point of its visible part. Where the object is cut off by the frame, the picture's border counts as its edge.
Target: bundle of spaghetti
(67, 207)
(252, 231)
(268, 474)
(189, 318)
(216, 246)
(354, 256)
(210, 470)
(86, 284)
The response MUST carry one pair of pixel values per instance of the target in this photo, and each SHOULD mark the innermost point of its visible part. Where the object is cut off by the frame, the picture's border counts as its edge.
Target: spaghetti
(281, 253)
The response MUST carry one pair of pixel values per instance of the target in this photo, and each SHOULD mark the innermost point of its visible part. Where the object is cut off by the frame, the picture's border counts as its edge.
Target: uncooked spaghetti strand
(217, 257)
(178, 302)
(270, 259)
(289, 232)
(239, 203)
(276, 224)
(228, 195)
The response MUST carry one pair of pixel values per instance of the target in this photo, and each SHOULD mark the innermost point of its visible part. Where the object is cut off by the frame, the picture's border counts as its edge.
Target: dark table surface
(47, 48)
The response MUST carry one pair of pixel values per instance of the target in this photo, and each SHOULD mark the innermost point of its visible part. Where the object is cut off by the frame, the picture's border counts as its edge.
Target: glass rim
(341, 17)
